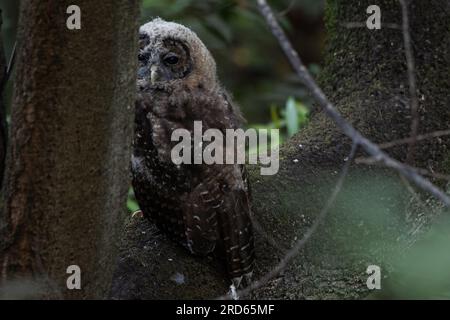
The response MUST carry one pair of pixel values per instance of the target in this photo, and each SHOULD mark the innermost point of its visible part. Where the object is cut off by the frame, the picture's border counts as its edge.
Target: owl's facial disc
(163, 61)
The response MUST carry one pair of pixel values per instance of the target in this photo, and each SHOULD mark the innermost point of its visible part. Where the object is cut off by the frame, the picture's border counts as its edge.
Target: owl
(205, 208)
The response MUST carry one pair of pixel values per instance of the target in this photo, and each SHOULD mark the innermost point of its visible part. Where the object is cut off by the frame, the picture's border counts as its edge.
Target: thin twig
(289, 8)
(419, 201)
(371, 148)
(412, 82)
(9, 68)
(435, 175)
(421, 137)
(357, 25)
(424, 172)
(411, 190)
(12, 59)
(293, 252)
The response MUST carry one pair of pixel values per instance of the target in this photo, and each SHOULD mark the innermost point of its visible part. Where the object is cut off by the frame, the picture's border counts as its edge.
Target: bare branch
(356, 25)
(421, 137)
(371, 148)
(414, 103)
(12, 60)
(289, 8)
(424, 172)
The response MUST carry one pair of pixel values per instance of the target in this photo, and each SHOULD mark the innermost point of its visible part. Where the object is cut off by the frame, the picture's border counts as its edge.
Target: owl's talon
(233, 292)
(137, 213)
(237, 282)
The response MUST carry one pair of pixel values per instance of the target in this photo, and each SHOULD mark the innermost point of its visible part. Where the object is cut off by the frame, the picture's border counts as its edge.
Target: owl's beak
(154, 74)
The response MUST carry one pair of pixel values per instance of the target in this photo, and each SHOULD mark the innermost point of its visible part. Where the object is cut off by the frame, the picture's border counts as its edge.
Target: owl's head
(169, 52)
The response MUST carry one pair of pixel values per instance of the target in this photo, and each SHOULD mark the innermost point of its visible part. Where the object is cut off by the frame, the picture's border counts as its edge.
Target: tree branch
(414, 103)
(421, 137)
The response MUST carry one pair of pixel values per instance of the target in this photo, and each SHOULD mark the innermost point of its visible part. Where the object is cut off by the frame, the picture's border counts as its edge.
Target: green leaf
(132, 205)
(291, 115)
(303, 113)
(274, 116)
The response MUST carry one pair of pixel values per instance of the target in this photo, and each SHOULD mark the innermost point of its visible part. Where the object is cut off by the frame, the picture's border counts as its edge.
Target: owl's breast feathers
(204, 207)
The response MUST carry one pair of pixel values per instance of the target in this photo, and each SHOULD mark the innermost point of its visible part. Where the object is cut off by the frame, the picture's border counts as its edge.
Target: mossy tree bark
(67, 165)
(372, 220)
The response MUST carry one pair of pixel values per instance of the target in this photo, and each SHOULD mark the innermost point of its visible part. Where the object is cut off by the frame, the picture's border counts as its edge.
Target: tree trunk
(67, 166)
(372, 220)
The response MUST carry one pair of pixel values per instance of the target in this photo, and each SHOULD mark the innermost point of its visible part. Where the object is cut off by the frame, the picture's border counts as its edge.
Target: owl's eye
(171, 59)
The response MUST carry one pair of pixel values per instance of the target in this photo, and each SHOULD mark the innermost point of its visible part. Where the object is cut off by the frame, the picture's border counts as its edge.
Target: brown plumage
(205, 208)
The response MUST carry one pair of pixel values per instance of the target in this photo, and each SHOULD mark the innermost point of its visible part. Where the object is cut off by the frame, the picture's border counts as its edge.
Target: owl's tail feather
(217, 217)
(237, 234)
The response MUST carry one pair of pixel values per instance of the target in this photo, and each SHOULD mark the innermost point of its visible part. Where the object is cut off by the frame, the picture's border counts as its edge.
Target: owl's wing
(218, 216)
(234, 211)
(200, 218)
(235, 224)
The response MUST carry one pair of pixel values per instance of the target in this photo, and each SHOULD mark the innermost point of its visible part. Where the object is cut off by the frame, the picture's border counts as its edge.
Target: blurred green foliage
(132, 204)
(289, 119)
(407, 237)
